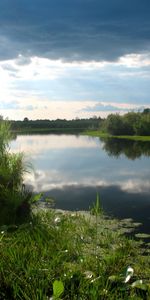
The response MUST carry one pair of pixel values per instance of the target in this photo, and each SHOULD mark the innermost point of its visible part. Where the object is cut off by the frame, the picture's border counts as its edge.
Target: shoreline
(127, 137)
(47, 131)
(93, 133)
(127, 226)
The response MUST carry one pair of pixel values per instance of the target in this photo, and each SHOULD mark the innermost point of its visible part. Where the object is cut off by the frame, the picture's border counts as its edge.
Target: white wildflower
(129, 274)
(57, 220)
(88, 274)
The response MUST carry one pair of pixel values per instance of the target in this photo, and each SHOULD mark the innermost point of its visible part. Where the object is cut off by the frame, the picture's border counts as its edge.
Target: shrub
(14, 198)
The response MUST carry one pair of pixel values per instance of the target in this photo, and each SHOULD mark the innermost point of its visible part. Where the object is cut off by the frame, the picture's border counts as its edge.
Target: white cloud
(44, 109)
(44, 88)
(135, 60)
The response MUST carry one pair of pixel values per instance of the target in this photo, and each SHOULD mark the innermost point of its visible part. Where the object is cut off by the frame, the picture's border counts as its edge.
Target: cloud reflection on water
(72, 169)
(69, 160)
(42, 181)
(39, 144)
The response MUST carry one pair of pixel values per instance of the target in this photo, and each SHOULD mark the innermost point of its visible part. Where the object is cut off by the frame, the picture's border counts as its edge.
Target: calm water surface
(72, 169)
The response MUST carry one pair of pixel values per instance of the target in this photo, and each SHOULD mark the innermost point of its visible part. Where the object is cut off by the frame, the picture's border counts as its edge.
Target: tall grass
(14, 198)
(54, 257)
(4, 136)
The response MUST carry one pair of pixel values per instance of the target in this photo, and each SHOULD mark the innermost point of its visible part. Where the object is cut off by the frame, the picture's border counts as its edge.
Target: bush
(14, 198)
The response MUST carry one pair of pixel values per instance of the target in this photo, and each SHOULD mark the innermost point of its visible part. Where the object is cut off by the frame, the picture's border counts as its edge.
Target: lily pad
(140, 285)
(142, 235)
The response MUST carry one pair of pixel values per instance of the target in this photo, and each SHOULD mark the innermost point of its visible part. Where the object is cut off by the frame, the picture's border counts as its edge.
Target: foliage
(97, 208)
(129, 124)
(58, 289)
(55, 256)
(14, 198)
(4, 136)
(114, 124)
(56, 125)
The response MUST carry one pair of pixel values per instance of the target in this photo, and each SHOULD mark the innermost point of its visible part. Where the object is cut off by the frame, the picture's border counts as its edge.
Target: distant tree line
(131, 123)
(81, 124)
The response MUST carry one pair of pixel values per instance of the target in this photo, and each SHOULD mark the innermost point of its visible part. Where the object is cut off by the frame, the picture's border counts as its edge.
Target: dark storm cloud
(74, 29)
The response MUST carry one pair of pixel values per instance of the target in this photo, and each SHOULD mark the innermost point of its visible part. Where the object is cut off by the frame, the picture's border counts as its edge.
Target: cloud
(35, 108)
(10, 105)
(74, 30)
(9, 67)
(135, 60)
(22, 60)
(103, 107)
(45, 88)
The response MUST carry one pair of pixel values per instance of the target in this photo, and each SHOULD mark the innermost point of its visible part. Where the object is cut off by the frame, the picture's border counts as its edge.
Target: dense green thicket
(129, 124)
(14, 198)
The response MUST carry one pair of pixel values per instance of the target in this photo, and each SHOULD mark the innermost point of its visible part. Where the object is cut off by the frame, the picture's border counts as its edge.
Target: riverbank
(105, 135)
(94, 133)
(72, 256)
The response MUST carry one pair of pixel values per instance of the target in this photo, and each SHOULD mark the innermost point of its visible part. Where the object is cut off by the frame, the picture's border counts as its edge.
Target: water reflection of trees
(131, 149)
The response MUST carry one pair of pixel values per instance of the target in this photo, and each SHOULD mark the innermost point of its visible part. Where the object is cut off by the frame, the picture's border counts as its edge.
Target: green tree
(142, 127)
(114, 124)
(130, 121)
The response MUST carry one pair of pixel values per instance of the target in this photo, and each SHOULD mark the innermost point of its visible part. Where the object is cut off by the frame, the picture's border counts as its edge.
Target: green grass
(106, 135)
(79, 256)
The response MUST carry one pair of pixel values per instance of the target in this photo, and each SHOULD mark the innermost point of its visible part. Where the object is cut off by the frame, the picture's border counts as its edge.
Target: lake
(73, 169)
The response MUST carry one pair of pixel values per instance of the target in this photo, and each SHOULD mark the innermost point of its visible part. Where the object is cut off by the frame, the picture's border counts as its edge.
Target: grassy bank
(71, 256)
(105, 135)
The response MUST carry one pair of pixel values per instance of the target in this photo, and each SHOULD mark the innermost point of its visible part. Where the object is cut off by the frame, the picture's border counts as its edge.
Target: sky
(73, 58)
